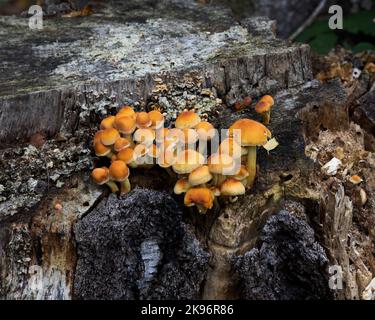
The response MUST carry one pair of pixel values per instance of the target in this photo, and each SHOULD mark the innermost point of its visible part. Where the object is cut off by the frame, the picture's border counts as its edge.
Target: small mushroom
(118, 171)
(187, 119)
(232, 188)
(157, 119)
(126, 126)
(263, 107)
(120, 144)
(200, 176)
(101, 176)
(205, 130)
(187, 161)
(109, 136)
(182, 185)
(102, 151)
(253, 134)
(143, 120)
(203, 198)
(127, 155)
(97, 137)
(242, 175)
(127, 111)
(107, 122)
(355, 179)
(220, 165)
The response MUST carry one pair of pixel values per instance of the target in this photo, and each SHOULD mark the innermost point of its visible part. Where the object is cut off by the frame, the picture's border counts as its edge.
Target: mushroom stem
(170, 172)
(266, 117)
(214, 179)
(233, 199)
(113, 186)
(109, 155)
(220, 179)
(201, 209)
(251, 165)
(216, 203)
(125, 186)
(130, 139)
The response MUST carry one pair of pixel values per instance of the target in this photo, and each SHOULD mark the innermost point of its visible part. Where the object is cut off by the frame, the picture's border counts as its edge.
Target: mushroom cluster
(139, 139)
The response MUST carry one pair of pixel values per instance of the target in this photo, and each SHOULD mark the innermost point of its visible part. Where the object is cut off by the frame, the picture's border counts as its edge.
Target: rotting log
(117, 55)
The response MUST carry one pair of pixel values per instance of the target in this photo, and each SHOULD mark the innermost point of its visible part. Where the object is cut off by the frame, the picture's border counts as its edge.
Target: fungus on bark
(101, 176)
(118, 171)
(263, 107)
(253, 134)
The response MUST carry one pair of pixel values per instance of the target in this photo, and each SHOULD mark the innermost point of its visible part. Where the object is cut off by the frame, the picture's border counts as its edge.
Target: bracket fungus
(140, 140)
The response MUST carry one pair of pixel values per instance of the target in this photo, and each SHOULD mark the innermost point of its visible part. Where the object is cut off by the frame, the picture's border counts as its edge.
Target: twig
(309, 21)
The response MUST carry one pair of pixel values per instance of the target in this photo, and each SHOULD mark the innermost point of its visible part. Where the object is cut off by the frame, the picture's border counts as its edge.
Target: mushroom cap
(268, 99)
(107, 122)
(264, 104)
(199, 196)
(100, 175)
(182, 185)
(232, 187)
(355, 179)
(127, 111)
(199, 176)
(126, 155)
(157, 119)
(189, 136)
(253, 133)
(118, 171)
(230, 147)
(120, 144)
(220, 163)
(187, 119)
(160, 134)
(144, 135)
(242, 173)
(97, 136)
(125, 124)
(109, 136)
(101, 150)
(113, 158)
(143, 120)
(205, 130)
(187, 160)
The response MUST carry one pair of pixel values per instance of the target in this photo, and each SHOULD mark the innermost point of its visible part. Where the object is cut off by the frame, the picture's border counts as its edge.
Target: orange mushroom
(118, 171)
(253, 134)
(101, 176)
(263, 107)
